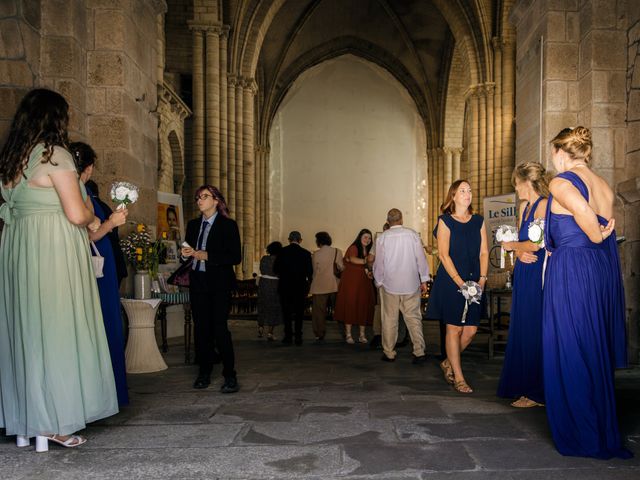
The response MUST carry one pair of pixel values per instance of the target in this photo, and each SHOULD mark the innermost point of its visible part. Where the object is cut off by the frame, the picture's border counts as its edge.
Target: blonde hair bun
(577, 142)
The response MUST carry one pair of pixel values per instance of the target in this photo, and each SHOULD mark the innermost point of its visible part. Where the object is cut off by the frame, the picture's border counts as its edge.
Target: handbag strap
(94, 248)
(335, 255)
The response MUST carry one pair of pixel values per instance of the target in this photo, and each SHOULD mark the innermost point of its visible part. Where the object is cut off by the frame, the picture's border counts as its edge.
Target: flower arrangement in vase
(141, 251)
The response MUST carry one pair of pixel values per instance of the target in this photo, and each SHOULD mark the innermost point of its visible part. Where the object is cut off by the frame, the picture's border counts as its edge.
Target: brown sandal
(447, 371)
(462, 387)
(524, 402)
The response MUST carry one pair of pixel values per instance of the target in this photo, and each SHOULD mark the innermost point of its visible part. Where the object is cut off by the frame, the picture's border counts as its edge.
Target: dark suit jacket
(223, 247)
(295, 269)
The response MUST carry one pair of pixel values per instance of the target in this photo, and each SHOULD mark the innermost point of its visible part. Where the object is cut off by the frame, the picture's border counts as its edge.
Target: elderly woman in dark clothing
(269, 308)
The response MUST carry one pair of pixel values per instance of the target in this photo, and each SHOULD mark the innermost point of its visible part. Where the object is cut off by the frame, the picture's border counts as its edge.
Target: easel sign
(498, 210)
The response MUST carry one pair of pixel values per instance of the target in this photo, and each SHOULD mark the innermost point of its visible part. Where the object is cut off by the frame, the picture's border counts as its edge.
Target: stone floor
(331, 411)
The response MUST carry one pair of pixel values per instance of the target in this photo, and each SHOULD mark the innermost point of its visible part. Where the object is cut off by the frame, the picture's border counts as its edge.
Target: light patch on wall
(347, 144)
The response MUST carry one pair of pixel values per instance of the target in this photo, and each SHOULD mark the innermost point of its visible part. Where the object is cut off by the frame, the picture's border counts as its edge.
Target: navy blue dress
(446, 303)
(110, 303)
(583, 336)
(522, 369)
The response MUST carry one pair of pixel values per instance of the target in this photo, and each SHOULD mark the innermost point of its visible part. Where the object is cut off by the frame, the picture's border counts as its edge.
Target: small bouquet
(123, 194)
(472, 293)
(506, 233)
(536, 231)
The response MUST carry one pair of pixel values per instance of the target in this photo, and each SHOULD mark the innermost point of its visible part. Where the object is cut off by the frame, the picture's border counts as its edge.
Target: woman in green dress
(55, 368)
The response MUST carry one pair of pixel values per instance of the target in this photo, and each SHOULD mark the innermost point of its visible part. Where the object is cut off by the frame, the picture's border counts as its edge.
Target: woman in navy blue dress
(583, 323)
(464, 255)
(522, 369)
(85, 158)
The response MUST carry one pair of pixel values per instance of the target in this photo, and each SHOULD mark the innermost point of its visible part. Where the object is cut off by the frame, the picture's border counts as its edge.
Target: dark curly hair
(274, 248)
(323, 238)
(42, 117)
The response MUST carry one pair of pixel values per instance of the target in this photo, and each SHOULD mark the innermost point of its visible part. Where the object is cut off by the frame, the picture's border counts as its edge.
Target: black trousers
(210, 309)
(292, 314)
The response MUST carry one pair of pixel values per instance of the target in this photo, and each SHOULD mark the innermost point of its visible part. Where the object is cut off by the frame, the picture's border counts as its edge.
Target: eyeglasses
(203, 196)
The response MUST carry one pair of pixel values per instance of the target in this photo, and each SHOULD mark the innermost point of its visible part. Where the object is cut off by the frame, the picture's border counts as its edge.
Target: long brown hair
(42, 117)
(449, 206)
(222, 204)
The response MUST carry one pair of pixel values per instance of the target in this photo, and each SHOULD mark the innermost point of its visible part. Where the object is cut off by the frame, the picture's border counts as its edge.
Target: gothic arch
(336, 48)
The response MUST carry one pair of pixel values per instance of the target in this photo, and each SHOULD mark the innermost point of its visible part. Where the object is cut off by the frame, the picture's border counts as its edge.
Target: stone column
(455, 170)
(472, 135)
(239, 158)
(508, 98)
(231, 145)
(197, 171)
(489, 177)
(258, 245)
(433, 193)
(480, 188)
(224, 138)
(265, 195)
(442, 188)
(448, 167)
(497, 117)
(249, 172)
(212, 127)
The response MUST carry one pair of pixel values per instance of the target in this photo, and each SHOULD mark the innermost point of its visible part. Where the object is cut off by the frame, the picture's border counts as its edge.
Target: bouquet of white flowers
(536, 231)
(123, 194)
(472, 293)
(506, 233)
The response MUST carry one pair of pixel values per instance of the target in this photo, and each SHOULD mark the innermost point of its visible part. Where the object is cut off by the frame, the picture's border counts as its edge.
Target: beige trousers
(409, 305)
(319, 312)
(377, 315)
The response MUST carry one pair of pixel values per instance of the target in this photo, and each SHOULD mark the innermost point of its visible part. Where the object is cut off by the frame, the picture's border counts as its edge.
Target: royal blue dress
(583, 336)
(446, 303)
(110, 303)
(522, 368)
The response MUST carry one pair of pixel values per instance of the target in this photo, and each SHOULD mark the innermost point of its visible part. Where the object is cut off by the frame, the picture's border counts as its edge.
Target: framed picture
(170, 223)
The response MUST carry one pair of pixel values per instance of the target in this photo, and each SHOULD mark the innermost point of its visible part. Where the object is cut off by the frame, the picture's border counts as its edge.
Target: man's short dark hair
(295, 236)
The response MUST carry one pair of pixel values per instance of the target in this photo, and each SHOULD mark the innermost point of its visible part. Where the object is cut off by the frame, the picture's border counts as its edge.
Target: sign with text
(499, 210)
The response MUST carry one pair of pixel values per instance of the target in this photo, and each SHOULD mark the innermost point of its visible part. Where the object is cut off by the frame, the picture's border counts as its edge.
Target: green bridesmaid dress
(55, 368)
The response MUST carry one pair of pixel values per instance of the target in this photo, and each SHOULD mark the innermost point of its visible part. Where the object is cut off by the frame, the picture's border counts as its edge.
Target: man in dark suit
(294, 269)
(214, 244)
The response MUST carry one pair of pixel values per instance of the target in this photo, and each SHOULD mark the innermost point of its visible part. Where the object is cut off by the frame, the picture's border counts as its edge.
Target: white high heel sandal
(42, 442)
(22, 441)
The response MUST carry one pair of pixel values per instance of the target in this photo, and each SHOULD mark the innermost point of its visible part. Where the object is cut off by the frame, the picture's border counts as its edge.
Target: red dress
(355, 302)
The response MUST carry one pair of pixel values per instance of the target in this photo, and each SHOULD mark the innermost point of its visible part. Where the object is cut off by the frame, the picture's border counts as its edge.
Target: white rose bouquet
(123, 194)
(506, 233)
(536, 231)
(472, 293)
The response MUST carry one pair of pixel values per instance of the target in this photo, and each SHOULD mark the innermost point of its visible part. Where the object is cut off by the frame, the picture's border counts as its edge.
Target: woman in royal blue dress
(85, 158)
(583, 322)
(464, 256)
(522, 369)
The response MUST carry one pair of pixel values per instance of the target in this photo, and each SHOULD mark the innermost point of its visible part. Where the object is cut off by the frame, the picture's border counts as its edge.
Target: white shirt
(400, 265)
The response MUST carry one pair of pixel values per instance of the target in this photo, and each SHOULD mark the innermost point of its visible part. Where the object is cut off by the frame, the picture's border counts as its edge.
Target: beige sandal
(462, 387)
(524, 402)
(448, 371)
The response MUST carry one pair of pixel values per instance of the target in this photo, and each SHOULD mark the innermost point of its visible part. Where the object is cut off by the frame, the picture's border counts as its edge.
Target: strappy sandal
(42, 442)
(524, 402)
(462, 387)
(349, 340)
(447, 370)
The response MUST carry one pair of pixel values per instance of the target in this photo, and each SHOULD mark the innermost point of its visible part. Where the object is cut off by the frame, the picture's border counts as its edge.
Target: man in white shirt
(401, 271)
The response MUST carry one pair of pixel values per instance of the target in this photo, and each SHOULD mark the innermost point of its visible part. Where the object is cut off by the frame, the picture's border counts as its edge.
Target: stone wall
(589, 53)
(19, 55)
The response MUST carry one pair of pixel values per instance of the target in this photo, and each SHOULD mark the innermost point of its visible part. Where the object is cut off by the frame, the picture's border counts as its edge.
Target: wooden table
(142, 354)
(498, 327)
(177, 298)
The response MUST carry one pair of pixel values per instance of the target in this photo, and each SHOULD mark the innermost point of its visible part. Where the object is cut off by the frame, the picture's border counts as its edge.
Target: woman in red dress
(355, 302)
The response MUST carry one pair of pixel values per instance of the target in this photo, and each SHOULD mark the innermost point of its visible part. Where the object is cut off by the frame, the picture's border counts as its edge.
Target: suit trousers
(292, 314)
(210, 308)
(409, 306)
(319, 312)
